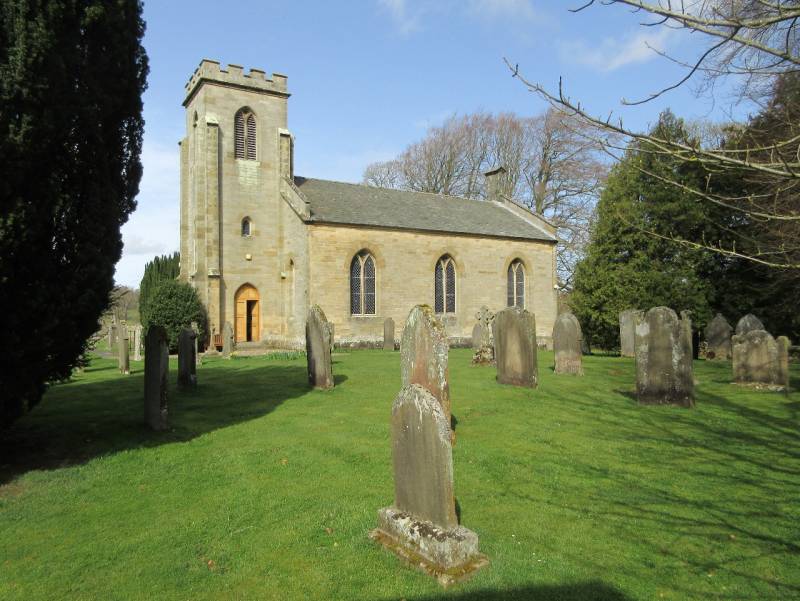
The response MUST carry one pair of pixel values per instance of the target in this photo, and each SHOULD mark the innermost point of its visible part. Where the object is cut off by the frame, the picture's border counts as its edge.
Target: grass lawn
(266, 490)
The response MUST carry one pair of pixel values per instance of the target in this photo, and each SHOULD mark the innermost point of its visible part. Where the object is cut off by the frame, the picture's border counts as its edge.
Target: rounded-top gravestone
(423, 355)
(749, 323)
(515, 347)
(718, 338)
(567, 345)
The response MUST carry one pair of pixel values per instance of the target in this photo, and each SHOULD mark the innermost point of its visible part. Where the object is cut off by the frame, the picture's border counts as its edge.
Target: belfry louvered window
(445, 286)
(362, 284)
(244, 133)
(516, 284)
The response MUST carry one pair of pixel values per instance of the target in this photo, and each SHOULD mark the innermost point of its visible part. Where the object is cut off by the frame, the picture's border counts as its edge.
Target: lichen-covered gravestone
(187, 363)
(227, 340)
(749, 323)
(318, 349)
(156, 370)
(627, 331)
(664, 358)
(423, 355)
(760, 360)
(388, 334)
(567, 344)
(718, 338)
(482, 338)
(515, 347)
(137, 343)
(123, 352)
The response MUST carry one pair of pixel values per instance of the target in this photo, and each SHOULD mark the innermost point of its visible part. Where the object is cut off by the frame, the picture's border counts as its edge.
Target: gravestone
(664, 358)
(482, 338)
(423, 355)
(718, 338)
(156, 370)
(388, 334)
(227, 340)
(567, 345)
(196, 329)
(187, 362)
(749, 323)
(123, 353)
(422, 525)
(318, 349)
(113, 331)
(137, 343)
(760, 360)
(331, 334)
(515, 347)
(627, 331)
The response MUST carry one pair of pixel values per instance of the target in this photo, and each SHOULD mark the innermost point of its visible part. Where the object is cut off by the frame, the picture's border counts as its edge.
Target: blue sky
(368, 77)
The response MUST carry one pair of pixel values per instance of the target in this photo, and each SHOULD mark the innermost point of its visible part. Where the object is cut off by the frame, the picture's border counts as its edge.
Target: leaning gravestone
(718, 338)
(423, 355)
(749, 323)
(227, 340)
(664, 358)
(422, 526)
(515, 347)
(388, 334)
(318, 349)
(760, 360)
(187, 362)
(627, 331)
(156, 369)
(123, 353)
(567, 344)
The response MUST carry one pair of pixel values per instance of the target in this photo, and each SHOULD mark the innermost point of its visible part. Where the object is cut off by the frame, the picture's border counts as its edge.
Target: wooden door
(246, 308)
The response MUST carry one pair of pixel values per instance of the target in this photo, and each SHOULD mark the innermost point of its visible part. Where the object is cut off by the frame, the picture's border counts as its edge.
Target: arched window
(516, 284)
(445, 285)
(362, 284)
(247, 227)
(244, 134)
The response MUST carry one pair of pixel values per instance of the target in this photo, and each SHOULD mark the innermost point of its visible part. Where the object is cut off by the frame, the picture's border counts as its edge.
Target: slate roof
(358, 204)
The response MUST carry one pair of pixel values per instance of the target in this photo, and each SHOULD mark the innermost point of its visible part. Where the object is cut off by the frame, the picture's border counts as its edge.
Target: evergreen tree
(160, 269)
(175, 305)
(631, 260)
(72, 73)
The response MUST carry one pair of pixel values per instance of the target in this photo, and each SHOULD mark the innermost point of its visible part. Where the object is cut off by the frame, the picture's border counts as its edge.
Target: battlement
(234, 76)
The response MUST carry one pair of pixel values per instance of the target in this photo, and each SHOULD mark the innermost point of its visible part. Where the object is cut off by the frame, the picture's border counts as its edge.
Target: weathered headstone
(137, 343)
(627, 331)
(749, 323)
(113, 335)
(388, 334)
(227, 340)
(515, 347)
(318, 349)
(331, 331)
(422, 526)
(156, 369)
(196, 329)
(567, 344)
(123, 353)
(482, 338)
(718, 338)
(664, 358)
(423, 355)
(187, 363)
(761, 360)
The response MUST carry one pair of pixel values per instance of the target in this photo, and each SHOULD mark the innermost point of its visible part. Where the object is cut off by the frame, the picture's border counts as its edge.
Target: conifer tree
(161, 269)
(72, 74)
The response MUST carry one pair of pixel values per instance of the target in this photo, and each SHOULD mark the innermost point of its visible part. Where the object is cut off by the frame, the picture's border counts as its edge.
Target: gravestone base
(450, 556)
(483, 356)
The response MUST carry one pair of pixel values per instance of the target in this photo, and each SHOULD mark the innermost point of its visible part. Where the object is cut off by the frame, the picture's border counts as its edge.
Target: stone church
(261, 244)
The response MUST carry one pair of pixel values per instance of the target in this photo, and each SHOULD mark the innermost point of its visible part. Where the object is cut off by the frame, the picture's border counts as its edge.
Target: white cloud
(518, 9)
(153, 228)
(406, 21)
(612, 53)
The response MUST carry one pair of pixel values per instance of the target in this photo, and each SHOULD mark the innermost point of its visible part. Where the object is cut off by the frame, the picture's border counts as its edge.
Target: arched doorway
(247, 314)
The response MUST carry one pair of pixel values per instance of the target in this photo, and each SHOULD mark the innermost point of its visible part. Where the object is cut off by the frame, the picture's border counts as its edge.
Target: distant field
(264, 489)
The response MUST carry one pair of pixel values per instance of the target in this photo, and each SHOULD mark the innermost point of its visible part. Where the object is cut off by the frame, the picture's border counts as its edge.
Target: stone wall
(405, 268)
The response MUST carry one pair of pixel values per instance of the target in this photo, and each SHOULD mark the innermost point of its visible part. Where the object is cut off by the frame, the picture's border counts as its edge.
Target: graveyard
(262, 487)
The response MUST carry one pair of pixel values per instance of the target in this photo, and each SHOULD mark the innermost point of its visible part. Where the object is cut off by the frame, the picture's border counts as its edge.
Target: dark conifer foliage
(160, 269)
(72, 74)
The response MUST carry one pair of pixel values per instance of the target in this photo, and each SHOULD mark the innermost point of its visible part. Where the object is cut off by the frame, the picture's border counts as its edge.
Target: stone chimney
(496, 184)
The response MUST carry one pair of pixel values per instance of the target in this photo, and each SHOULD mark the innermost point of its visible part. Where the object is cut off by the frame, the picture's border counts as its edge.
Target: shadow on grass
(588, 591)
(87, 418)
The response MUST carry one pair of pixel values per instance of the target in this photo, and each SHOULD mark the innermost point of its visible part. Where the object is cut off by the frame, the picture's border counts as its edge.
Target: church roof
(359, 204)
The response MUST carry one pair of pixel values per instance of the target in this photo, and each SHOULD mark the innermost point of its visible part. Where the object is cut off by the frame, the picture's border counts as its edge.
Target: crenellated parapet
(210, 71)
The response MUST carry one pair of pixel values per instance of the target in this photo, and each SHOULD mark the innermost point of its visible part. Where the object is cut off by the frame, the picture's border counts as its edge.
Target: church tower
(235, 157)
